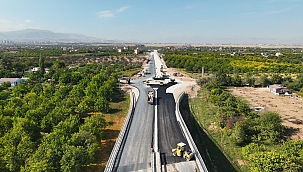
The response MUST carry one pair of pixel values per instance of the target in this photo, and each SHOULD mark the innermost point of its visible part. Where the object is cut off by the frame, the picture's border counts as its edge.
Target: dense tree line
(18, 67)
(213, 62)
(54, 121)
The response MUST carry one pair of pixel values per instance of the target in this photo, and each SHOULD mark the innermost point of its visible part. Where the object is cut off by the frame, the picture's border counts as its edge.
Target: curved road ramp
(152, 130)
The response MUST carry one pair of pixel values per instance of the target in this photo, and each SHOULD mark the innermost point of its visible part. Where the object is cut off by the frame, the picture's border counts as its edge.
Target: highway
(169, 130)
(136, 152)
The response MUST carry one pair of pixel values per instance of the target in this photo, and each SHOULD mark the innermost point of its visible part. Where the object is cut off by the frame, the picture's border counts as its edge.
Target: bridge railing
(192, 145)
(113, 156)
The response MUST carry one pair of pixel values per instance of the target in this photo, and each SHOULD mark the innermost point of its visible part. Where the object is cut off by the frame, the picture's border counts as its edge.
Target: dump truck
(181, 152)
(150, 97)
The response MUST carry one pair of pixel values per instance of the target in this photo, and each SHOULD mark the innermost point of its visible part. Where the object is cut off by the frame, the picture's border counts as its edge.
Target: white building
(13, 81)
(136, 51)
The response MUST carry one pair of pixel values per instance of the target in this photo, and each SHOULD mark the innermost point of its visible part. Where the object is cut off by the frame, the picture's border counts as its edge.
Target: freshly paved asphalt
(168, 127)
(135, 153)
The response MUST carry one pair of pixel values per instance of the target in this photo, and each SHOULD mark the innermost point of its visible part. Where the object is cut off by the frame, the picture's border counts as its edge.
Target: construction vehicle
(150, 97)
(180, 151)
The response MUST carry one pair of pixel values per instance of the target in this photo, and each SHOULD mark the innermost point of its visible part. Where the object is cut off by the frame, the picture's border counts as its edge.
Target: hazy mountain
(45, 35)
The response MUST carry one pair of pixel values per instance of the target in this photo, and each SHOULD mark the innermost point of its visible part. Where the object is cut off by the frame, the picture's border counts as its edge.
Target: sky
(162, 21)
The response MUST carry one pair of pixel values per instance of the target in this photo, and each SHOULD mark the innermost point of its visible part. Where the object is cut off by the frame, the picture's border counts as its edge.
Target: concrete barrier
(192, 145)
(113, 156)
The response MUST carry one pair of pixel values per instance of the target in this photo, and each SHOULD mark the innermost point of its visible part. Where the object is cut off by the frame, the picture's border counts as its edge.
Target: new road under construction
(154, 136)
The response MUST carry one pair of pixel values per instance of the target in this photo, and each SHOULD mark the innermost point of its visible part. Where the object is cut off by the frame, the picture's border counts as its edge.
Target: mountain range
(28, 35)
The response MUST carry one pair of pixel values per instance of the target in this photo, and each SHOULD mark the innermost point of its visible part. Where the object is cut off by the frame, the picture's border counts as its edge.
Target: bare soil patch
(189, 84)
(288, 107)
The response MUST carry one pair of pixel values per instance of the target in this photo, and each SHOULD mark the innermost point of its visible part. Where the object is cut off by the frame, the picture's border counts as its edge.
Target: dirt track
(286, 106)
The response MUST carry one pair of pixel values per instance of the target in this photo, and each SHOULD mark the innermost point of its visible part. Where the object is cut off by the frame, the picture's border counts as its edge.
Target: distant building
(279, 90)
(278, 54)
(136, 51)
(264, 54)
(13, 81)
(35, 69)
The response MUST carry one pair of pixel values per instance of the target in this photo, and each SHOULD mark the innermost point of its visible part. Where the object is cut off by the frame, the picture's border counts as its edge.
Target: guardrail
(192, 145)
(113, 156)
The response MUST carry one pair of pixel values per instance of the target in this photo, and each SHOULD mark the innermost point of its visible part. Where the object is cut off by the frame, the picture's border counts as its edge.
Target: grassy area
(192, 74)
(115, 120)
(212, 141)
(131, 72)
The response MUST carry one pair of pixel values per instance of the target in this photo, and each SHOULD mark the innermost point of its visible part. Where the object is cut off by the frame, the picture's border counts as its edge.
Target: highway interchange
(138, 146)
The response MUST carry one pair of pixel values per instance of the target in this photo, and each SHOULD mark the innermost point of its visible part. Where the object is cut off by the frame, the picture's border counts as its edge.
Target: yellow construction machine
(180, 151)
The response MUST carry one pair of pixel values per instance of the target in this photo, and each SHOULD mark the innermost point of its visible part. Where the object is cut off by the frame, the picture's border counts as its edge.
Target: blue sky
(178, 21)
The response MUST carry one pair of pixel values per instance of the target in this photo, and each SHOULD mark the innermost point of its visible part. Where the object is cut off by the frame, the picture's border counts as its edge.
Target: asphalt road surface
(136, 151)
(169, 131)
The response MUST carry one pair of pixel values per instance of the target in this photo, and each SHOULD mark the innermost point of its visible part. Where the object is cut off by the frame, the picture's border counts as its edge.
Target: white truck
(150, 97)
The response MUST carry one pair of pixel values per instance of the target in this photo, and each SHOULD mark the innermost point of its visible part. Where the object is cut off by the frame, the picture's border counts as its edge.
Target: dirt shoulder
(189, 85)
(288, 107)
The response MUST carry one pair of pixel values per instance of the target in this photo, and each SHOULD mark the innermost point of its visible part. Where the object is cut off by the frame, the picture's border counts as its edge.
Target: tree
(222, 78)
(238, 135)
(202, 81)
(17, 147)
(74, 158)
(94, 125)
(6, 84)
(41, 65)
(65, 78)
(49, 90)
(101, 105)
(264, 81)
(86, 140)
(18, 144)
(243, 107)
(249, 79)
(58, 64)
(6, 123)
(284, 158)
(62, 93)
(59, 113)
(269, 127)
(20, 90)
(4, 95)
(301, 92)
(68, 126)
(83, 108)
(276, 79)
(77, 92)
(48, 155)
(75, 78)
(36, 115)
(236, 80)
